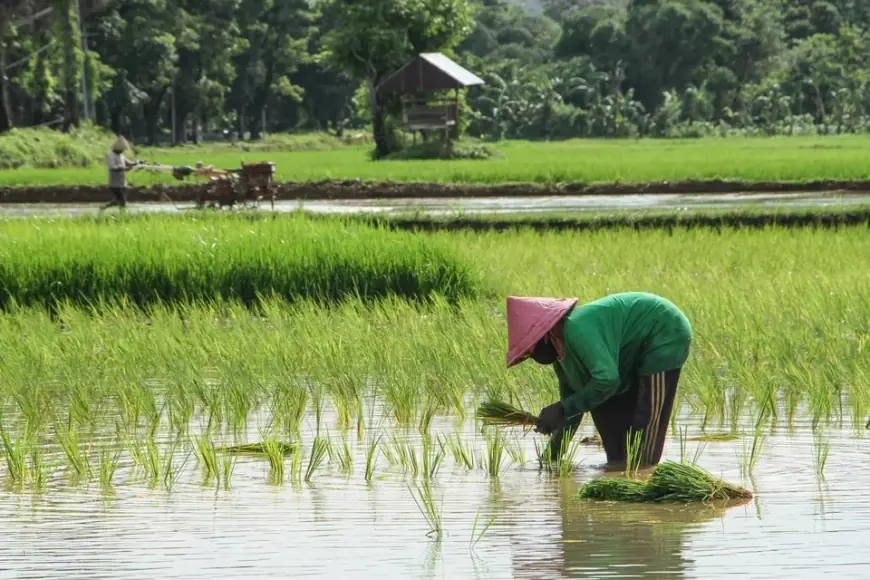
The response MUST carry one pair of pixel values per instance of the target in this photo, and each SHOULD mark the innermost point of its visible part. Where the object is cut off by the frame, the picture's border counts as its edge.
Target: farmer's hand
(551, 419)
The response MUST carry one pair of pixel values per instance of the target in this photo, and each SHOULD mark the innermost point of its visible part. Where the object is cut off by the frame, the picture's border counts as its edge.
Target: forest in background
(175, 70)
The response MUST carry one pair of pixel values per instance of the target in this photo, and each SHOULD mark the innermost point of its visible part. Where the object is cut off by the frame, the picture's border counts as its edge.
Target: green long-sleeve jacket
(612, 341)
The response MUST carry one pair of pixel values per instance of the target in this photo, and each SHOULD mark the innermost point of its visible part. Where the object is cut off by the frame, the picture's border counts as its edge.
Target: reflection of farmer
(118, 168)
(635, 539)
(618, 358)
(594, 539)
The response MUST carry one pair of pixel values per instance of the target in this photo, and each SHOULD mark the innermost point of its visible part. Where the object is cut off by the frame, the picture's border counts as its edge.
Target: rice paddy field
(224, 396)
(588, 161)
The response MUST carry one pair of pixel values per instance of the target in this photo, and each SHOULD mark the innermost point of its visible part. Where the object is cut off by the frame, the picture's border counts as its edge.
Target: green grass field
(625, 161)
(146, 259)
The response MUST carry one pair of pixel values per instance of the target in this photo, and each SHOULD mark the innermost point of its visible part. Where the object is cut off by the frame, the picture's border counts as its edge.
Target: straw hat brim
(120, 144)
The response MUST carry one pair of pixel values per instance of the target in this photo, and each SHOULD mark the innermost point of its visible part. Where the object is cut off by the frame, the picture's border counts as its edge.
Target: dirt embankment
(355, 189)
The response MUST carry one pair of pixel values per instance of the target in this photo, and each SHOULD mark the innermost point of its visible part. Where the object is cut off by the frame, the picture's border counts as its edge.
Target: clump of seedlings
(668, 482)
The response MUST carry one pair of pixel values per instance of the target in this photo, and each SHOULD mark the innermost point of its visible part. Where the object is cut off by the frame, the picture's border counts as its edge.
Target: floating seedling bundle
(262, 448)
(668, 482)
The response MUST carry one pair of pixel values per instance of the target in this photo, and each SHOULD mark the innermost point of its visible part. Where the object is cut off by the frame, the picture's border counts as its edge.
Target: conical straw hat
(120, 144)
(529, 320)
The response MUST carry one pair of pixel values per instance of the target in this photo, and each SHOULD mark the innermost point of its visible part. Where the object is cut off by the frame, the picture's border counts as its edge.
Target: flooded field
(799, 523)
(493, 205)
(114, 413)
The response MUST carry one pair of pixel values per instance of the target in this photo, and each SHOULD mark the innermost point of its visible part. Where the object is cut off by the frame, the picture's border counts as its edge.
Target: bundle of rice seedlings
(614, 489)
(505, 415)
(683, 482)
(668, 482)
(259, 448)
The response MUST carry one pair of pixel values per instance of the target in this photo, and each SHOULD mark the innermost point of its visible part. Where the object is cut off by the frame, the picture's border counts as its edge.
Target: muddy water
(495, 205)
(798, 525)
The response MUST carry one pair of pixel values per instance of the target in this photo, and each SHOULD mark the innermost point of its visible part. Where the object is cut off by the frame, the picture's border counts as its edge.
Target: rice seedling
(426, 415)
(476, 535)
(668, 482)
(463, 454)
(428, 507)
(684, 438)
(496, 443)
(108, 466)
(517, 452)
(207, 455)
(274, 452)
(38, 467)
(15, 452)
(372, 450)
(170, 470)
(228, 463)
(566, 462)
(341, 455)
(633, 443)
(400, 453)
(319, 451)
(821, 449)
(296, 466)
(77, 459)
(433, 454)
(152, 464)
(751, 456)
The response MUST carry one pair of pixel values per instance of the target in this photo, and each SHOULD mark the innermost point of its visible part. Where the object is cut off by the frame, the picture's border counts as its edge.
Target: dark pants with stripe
(646, 407)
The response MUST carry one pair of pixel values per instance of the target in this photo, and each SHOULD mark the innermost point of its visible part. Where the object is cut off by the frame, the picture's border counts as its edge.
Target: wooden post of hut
(418, 82)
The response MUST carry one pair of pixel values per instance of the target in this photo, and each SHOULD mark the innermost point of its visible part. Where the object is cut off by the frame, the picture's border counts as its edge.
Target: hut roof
(428, 72)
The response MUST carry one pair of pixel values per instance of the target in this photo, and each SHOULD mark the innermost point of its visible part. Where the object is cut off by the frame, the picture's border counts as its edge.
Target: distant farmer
(618, 358)
(118, 168)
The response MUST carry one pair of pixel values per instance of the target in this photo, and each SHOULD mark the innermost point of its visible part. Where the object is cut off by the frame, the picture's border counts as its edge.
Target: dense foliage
(161, 69)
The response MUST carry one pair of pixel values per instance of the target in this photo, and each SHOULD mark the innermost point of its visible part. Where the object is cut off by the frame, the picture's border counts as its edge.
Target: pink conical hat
(529, 319)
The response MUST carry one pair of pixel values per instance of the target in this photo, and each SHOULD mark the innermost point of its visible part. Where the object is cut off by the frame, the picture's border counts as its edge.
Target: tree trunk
(152, 124)
(5, 118)
(70, 67)
(181, 126)
(256, 124)
(240, 121)
(382, 146)
(116, 119)
(379, 130)
(151, 112)
(197, 127)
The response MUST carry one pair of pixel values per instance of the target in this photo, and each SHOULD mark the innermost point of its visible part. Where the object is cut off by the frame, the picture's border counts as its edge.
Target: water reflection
(490, 205)
(599, 539)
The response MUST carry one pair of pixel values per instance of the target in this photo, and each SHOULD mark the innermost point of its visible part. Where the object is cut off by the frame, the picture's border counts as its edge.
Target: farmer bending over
(618, 358)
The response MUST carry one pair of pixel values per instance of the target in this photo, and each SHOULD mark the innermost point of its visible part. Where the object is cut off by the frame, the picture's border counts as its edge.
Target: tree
(207, 38)
(373, 38)
(10, 10)
(139, 45)
(275, 35)
(674, 42)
